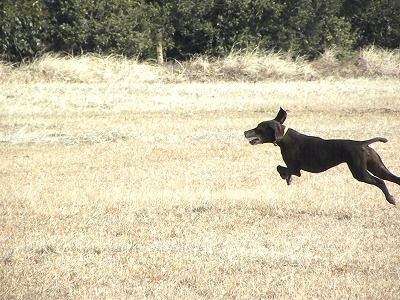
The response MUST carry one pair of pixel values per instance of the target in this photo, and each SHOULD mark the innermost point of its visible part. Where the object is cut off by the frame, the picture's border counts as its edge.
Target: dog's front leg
(285, 174)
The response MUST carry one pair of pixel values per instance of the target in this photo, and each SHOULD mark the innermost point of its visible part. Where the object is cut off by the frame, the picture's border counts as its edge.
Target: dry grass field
(121, 180)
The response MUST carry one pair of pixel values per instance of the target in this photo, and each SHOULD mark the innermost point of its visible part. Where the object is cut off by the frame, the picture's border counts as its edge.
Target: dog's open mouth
(253, 140)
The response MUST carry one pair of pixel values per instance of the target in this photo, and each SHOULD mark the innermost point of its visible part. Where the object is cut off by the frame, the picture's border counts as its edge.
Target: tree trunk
(160, 54)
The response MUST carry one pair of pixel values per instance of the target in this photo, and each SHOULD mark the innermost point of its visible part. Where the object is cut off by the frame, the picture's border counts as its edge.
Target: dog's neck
(285, 130)
(278, 142)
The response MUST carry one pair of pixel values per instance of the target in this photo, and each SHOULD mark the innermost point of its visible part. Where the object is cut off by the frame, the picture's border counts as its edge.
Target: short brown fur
(313, 154)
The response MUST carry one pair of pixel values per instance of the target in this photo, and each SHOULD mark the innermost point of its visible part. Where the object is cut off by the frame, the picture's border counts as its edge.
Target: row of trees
(181, 28)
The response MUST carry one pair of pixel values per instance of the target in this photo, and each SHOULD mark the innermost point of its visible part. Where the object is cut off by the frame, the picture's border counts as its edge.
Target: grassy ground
(124, 186)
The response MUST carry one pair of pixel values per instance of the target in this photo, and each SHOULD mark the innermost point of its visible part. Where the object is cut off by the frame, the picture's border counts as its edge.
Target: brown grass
(240, 65)
(133, 187)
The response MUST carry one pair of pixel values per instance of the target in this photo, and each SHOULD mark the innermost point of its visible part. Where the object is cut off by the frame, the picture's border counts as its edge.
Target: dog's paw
(282, 172)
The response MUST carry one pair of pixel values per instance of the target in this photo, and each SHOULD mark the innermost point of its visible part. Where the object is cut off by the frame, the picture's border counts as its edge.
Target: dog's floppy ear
(278, 131)
(281, 116)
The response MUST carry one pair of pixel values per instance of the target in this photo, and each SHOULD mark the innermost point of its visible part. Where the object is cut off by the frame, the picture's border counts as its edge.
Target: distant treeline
(182, 28)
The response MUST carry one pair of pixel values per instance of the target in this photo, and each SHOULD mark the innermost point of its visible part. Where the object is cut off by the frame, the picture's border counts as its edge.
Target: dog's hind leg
(376, 167)
(360, 173)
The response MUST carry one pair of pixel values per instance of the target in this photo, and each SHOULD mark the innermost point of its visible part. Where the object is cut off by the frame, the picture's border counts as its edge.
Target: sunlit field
(122, 180)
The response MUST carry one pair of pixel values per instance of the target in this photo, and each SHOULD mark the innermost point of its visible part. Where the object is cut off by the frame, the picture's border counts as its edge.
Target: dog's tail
(374, 140)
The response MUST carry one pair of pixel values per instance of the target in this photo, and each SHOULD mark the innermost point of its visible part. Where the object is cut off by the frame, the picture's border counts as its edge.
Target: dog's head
(269, 131)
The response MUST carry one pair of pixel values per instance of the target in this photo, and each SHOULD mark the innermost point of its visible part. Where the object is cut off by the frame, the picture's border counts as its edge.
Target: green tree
(69, 25)
(247, 23)
(191, 28)
(374, 21)
(310, 26)
(22, 25)
(182, 28)
(127, 27)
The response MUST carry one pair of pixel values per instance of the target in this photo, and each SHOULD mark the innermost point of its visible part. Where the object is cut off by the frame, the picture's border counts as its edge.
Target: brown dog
(313, 154)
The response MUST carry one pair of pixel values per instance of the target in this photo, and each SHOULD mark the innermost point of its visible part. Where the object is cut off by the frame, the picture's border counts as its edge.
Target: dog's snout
(252, 137)
(247, 133)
